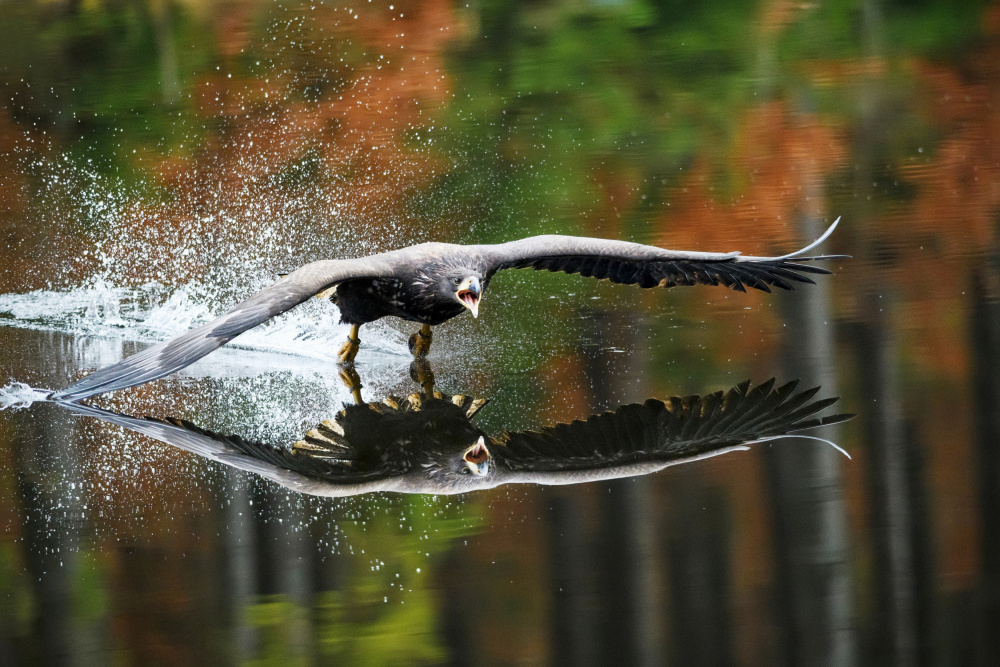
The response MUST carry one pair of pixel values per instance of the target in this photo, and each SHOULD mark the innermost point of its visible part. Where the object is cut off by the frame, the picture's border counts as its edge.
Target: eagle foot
(352, 381)
(348, 351)
(350, 348)
(421, 373)
(420, 342)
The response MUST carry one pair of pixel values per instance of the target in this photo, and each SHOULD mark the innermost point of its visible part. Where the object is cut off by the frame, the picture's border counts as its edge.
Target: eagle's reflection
(428, 442)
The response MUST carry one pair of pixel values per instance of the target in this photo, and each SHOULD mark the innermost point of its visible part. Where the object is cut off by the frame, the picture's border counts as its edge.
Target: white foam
(18, 396)
(152, 313)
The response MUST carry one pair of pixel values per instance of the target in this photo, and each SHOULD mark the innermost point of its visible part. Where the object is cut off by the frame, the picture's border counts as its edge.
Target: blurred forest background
(221, 141)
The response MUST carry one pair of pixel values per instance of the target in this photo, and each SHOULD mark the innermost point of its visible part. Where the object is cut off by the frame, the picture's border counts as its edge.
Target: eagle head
(467, 287)
(477, 458)
(461, 465)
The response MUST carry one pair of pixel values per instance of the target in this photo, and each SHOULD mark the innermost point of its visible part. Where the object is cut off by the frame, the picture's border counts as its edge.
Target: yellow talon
(420, 342)
(350, 348)
(352, 381)
(420, 371)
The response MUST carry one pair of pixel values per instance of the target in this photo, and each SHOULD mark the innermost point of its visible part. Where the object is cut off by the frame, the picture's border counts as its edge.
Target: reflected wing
(336, 458)
(171, 356)
(301, 473)
(649, 266)
(642, 438)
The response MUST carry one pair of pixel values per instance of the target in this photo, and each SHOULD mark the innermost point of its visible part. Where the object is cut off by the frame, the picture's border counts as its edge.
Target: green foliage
(98, 77)
(90, 594)
(562, 91)
(276, 618)
(17, 604)
(402, 631)
(386, 614)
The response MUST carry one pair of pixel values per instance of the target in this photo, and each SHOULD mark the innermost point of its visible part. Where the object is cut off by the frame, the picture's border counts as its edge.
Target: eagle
(430, 444)
(431, 283)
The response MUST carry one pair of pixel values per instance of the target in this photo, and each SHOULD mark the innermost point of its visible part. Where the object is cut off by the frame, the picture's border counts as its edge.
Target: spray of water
(129, 264)
(18, 396)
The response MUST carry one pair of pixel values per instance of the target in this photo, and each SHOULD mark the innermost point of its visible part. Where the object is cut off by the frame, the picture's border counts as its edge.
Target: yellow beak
(477, 458)
(468, 294)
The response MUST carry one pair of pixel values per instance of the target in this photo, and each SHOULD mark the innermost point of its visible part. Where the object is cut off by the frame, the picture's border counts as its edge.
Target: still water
(160, 161)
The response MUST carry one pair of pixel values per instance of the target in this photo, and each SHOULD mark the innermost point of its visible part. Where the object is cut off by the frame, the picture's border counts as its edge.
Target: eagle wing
(302, 473)
(650, 266)
(642, 438)
(171, 356)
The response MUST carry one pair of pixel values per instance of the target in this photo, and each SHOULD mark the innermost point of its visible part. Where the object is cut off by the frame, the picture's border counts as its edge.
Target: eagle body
(417, 292)
(418, 435)
(431, 283)
(370, 299)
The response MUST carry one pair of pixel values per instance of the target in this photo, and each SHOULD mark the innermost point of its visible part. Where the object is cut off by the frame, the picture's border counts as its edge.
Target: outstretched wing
(642, 438)
(649, 266)
(304, 474)
(171, 356)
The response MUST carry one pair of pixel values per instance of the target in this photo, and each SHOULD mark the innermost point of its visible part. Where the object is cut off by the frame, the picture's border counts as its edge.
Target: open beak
(477, 458)
(468, 293)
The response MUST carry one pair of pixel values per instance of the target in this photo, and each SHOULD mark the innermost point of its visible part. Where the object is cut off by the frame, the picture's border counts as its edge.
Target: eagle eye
(456, 280)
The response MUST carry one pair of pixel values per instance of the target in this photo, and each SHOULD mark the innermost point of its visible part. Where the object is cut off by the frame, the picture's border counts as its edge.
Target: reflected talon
(350, 348)
(421, 373)
(349, 376)
(420, 342)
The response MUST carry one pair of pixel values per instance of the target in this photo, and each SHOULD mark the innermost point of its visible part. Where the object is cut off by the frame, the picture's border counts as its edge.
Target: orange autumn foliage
(783, 160)
(351, 138)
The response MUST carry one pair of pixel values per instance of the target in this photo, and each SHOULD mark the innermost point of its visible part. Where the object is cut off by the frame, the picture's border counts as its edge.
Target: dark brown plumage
(433, 282)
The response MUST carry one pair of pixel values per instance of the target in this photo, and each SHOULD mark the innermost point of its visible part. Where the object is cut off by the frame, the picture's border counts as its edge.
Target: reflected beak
(477, 458)
(468, 293)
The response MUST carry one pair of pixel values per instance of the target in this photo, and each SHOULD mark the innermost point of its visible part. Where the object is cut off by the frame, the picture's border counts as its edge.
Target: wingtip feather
(817, 242)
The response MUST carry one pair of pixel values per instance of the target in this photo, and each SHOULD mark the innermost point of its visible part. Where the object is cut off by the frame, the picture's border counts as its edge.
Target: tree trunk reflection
(812, 568)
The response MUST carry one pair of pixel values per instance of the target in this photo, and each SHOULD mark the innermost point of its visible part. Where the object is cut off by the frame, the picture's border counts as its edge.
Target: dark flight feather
(664, 431)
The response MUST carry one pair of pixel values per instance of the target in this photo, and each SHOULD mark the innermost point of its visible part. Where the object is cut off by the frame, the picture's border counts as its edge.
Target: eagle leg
(420, 371)
(350, 348)
(352, 381)
(420, 342)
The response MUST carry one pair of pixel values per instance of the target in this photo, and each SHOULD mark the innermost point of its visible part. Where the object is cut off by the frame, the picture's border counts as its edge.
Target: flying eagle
(431, 283)
(429, 444)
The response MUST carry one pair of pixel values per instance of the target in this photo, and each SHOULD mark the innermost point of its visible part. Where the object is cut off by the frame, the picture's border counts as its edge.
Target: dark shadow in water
(985, 344)
(428, 442)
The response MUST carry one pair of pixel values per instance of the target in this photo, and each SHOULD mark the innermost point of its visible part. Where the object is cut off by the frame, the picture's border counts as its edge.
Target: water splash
(18, 396)
(153, 312)
(152, 270)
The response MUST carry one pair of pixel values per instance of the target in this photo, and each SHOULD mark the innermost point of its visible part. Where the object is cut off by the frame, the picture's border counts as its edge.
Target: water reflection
(428, 443)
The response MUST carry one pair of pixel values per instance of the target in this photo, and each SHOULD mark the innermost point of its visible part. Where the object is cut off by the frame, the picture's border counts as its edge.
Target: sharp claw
(352, 381)
(420, 342)
(350, 377)
(421, 373)
(350, 348)
(348, 352)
